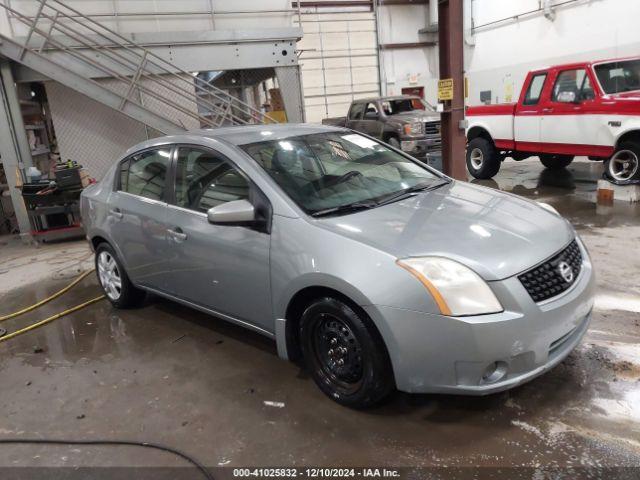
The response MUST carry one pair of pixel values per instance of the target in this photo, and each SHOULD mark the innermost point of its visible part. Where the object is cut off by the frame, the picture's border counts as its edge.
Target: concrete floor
(165, 373)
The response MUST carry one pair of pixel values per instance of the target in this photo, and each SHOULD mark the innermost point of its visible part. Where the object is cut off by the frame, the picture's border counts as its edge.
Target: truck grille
(432, 128)
(546, 280)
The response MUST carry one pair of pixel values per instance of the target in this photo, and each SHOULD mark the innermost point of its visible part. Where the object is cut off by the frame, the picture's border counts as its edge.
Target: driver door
(220, 267)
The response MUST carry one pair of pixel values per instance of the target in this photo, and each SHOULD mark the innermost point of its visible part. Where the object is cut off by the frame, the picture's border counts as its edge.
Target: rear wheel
(114, 280)
(624, 165)
(345, 354)
(483, 160)
(555, 162)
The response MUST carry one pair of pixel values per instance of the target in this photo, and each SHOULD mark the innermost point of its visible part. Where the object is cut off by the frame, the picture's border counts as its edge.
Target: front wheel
(555, 162)
(483, 161)
(624, 165)
(345, 354)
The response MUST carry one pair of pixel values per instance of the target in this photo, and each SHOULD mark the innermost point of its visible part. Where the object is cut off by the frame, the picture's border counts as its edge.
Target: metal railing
(62, 28)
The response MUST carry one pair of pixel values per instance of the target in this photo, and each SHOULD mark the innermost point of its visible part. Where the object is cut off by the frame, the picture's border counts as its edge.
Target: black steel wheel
(345, 353)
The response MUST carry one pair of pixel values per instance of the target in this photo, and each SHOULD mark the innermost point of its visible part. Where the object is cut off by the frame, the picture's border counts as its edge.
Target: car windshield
(327, 172)
(402, 105)
(618, 77)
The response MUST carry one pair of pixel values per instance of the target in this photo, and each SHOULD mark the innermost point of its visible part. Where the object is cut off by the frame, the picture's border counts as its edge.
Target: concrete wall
(505, 52)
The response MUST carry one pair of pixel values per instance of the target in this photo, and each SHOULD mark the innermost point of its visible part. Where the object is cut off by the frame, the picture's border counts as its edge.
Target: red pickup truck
(587, 108)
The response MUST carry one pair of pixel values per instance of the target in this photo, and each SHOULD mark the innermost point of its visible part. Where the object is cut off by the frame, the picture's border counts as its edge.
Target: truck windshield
(618, 77)
(393, 107)
(334, 170)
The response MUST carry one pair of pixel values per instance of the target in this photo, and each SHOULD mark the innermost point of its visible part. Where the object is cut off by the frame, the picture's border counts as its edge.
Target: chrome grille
(545, 281)
(432, 128)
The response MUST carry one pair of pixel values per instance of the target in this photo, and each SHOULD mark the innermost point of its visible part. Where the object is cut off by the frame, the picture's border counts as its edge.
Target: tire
(624, 164)
(555, 162)
(114, 280)
(483, 161)
(394, 142)
(331, 331)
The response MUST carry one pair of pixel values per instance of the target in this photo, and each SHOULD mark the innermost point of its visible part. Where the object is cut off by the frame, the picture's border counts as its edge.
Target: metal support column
(451, 35)
(13, 143)
(290, 82)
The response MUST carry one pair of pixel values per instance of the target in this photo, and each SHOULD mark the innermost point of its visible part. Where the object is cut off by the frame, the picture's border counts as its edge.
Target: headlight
(456, 289)
(548, 208)
(413, 129)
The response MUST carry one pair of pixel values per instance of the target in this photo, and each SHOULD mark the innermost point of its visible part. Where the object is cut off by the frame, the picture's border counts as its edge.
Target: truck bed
(335, 121)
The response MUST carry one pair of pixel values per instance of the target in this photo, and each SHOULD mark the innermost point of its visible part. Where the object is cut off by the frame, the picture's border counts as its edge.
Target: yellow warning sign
(445, 89)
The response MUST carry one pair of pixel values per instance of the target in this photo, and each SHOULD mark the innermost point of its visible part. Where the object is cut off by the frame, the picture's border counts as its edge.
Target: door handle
(177, 234)
(547, 110)
(116, 213)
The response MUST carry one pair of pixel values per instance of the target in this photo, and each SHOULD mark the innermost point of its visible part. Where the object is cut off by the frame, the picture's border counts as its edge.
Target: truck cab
(582, 109)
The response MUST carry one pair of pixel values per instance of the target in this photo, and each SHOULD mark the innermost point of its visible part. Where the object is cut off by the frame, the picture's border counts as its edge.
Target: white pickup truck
(588, 108)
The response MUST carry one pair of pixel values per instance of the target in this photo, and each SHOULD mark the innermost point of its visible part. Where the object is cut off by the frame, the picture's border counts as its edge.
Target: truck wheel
(482, 159)
(624, 165)
(394, 142)
(345, 354)
(555, 162)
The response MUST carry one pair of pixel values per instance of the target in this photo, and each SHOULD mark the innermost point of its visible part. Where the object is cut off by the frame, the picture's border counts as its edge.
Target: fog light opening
(495, 372)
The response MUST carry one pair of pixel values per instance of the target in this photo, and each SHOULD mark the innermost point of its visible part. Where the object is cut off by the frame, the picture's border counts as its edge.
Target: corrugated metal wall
(339, 60)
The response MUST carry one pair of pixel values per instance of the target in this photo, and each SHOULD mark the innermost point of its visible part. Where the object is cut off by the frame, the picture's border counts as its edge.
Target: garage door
(339, 60)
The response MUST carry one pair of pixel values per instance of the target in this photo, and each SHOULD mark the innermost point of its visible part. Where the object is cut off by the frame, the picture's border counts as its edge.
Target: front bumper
(437, 354)
(421, 147)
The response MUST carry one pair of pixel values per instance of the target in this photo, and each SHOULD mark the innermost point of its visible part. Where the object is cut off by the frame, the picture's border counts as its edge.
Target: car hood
(416, 116)
(497, 235)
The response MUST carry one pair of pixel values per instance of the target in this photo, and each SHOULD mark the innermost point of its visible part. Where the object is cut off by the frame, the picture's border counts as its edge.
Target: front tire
(483, 161)
(114, 280)
(624, 165)
(345, 354)
(555, 162)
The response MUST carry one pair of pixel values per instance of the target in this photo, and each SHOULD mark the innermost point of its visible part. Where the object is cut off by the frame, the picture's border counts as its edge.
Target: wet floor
(168, 374)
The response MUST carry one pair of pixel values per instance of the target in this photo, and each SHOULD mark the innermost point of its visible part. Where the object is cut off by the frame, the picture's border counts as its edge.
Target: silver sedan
(374, 270)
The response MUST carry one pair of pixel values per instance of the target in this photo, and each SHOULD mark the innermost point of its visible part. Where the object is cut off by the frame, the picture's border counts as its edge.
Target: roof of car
(244, 134)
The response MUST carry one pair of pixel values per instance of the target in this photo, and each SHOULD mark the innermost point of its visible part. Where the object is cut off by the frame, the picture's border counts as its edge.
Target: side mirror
(235, 212)
(567, 97)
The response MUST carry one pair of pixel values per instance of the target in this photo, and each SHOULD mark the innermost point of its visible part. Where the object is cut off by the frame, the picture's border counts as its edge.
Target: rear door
(220, 267)
(137, 215)
(527, 120)
(566, 126)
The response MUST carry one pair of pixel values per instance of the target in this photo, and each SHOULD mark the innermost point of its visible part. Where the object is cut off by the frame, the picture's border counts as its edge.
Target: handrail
(151, 54)
(138, 69)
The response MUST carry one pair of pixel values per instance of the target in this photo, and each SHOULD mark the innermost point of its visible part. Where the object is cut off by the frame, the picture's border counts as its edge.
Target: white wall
(505, 52)
(412, 67)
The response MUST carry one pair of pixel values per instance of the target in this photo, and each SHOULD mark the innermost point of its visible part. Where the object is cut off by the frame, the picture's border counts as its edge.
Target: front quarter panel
(304, 255)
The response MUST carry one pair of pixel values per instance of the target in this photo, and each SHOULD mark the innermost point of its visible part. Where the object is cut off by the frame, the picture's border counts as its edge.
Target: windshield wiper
(350, 207)
(420, 187)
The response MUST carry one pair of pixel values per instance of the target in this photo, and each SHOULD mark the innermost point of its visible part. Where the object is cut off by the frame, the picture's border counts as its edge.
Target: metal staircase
(73, 49)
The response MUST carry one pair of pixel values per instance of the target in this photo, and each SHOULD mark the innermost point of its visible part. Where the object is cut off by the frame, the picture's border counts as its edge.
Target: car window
(145, 174)
(328, 170)
(357, 109)
(532, 97)
(204, 179)
(371, 112)
(620, 76)
(573, 81)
